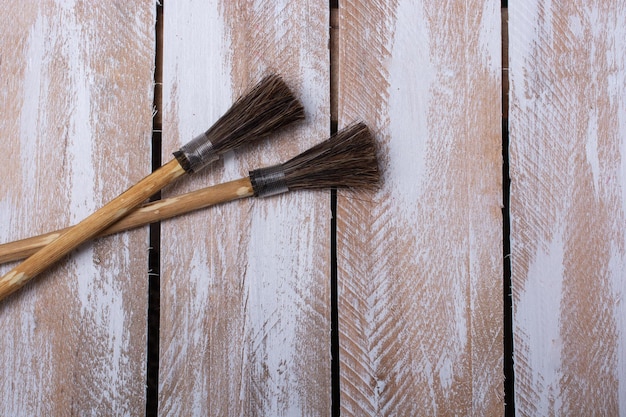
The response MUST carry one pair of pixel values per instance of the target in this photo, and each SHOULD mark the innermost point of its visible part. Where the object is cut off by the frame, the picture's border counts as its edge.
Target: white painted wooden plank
(420, 261)
(76, 105)
(568, 171)
(245, 286)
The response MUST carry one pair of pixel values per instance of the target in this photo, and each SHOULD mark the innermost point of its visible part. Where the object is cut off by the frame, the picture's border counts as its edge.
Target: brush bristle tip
(347, 160)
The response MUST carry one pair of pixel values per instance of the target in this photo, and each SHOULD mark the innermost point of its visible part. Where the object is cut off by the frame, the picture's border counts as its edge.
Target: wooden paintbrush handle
(89, 227)
(146, 214)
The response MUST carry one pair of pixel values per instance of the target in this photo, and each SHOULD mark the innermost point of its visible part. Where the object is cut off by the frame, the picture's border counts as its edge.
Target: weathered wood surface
(420, 264)
(568, 170)
(245, 316)
(245, 304)
(76, 105)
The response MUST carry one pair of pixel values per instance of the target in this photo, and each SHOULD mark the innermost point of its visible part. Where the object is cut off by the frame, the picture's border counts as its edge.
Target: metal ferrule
(268, 181)
(196, 154)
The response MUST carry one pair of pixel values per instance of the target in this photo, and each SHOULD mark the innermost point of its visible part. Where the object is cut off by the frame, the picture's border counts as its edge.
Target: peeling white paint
(617, 274)
(538, 318)
(592, 39)
(272, 258)
(409, 102)
(616, 57)
(591, 148)
(6, 216)
(20, 336)
(489, 38)
(34, 91)
(265, 248)
(58, 72)
(529, 13)
(203, 84)
(101, 304)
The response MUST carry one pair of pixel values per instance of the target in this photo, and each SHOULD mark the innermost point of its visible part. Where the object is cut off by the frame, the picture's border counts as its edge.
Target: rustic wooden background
(568, 202)
(75, 127)
(247, 288)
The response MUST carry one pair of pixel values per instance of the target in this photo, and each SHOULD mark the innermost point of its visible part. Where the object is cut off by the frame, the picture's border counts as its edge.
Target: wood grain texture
(245, 286)
(76, 104)
(420, 267)
(568, 171)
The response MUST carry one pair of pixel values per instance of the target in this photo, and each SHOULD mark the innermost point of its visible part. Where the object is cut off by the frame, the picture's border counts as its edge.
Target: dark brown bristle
(346, 160)
(267, 107)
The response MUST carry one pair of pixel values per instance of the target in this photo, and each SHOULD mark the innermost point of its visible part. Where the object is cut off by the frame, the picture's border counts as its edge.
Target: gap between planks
(334, 287)
(154, 254)
(509, 372)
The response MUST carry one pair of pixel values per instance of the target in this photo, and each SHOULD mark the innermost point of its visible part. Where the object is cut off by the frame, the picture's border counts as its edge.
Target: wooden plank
(76, 105)
(245, 286)
(568, 130)
(420, 266)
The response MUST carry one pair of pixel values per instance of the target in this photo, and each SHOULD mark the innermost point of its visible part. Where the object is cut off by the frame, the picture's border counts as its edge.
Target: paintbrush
(347, 159)
(267, 107)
